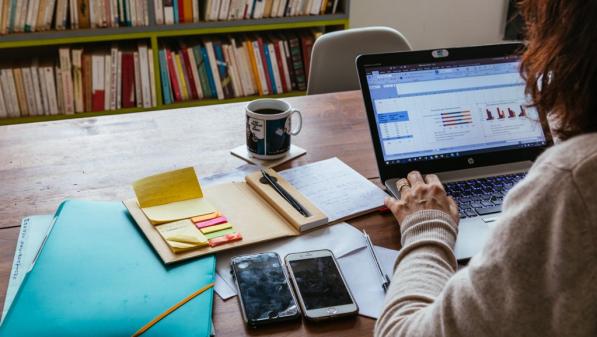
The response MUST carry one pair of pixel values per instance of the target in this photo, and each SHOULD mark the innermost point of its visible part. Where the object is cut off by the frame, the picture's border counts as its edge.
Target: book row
(184, 11)
(41, 15)
(80, 81)
(236, 66)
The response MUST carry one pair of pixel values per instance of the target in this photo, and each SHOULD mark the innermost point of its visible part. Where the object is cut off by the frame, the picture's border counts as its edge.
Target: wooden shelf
(155, 34)
(177, 105)
(156, 31)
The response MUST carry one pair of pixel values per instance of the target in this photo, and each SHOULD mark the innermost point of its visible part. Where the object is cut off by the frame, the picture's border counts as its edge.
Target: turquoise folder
(97, 276)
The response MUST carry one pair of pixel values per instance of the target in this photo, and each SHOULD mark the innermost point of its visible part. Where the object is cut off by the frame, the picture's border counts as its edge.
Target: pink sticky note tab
(212, 222)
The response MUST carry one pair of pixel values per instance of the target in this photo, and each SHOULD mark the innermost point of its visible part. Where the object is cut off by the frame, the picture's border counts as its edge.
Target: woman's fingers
(432, 179)
(415, 178)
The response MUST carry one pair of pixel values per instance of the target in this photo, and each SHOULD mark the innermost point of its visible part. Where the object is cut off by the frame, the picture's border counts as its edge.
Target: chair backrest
(334, 54)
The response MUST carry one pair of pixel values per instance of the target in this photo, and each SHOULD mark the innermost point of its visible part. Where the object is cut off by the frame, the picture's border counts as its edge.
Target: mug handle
(300, 125)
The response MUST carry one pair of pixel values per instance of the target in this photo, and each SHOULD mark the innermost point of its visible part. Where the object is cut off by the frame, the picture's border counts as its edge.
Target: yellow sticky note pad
(216, 228)
(171, 196)
(182, 235)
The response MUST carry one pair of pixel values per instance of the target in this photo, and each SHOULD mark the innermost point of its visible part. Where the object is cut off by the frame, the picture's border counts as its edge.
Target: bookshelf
(156, 34)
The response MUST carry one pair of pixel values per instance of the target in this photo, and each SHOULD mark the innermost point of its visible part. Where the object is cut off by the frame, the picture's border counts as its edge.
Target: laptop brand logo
(440, 53)
(471, 161)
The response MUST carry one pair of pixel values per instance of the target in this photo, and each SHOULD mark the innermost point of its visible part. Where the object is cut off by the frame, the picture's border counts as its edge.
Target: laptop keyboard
(481, 196)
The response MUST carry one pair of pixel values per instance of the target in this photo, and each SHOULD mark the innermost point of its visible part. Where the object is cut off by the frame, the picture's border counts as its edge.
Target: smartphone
(264, 293)
(320, 287)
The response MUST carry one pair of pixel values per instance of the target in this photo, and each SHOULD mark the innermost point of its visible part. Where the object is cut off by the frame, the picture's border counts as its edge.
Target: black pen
(284, 194)
(384, 277)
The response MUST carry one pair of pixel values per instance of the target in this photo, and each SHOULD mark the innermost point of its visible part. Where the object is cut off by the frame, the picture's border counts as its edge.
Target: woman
(537, 275)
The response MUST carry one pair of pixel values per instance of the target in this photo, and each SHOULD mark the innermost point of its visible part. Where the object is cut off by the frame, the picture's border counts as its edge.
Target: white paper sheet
(335, 188)
(31, 235)
(341, 239)
(364, 280)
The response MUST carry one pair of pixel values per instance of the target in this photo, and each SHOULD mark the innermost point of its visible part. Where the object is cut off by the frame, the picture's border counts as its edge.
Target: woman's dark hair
(560, 62)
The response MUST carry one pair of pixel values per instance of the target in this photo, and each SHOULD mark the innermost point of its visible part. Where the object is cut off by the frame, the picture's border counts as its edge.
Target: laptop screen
(451, 109)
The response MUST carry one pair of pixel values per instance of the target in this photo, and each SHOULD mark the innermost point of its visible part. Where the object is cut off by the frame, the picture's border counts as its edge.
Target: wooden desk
(98, 158)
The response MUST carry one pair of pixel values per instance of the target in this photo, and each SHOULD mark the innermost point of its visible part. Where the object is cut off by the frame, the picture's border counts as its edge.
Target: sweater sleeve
(514, 286)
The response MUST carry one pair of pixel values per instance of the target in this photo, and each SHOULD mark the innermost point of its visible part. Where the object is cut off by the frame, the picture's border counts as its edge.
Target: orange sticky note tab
(205, 217)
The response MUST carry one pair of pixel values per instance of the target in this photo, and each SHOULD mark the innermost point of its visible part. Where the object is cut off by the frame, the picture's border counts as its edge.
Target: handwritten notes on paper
(338, 190)
(171, 196)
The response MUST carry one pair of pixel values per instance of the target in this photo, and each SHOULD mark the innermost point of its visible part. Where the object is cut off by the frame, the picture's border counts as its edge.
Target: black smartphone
(321, 289)
(264, 293)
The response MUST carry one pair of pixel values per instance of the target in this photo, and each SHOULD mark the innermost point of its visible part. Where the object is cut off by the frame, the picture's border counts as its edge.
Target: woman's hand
(417, 194)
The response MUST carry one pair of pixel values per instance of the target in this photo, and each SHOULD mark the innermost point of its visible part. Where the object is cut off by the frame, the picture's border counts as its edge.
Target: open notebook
(330, 190)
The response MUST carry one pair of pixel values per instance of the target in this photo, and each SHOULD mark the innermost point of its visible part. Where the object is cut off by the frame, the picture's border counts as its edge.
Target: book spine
(224, 10)
(4, 6)
(285, 56)
(173, 76)
(275, 68)
(119, 80)
(253, 64)
(59, 89)
(49, 12)
(201, 71)
(12, 91)
(165, 78)
(208, 71)
(158, 10)
(128, 80)
(50, 77)
(78, 79)
(176, 11)
(3, 108)
(83, 9)
(181, 75)
(67, 80)
(260, 69)
(307, 40)
(280, 66)
(107, 81)
(151, 63)
(27, 90)
(188, 71)
(44, 90)
(194, 72)
(113, 78)
(87, 79)
(187, 10)
(22, 99)
(137, 78)
(237, 91)
(73, 13)
(168, 12)
(98, 82)
(265, 61)
(214, 69)
(297, 63)
(144, 73)
(223, 71)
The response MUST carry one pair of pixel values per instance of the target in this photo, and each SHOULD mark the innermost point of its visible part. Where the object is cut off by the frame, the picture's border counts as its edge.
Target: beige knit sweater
(536, 276)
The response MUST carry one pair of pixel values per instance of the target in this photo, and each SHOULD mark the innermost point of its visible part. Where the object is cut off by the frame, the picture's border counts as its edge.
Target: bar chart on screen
(505, 112)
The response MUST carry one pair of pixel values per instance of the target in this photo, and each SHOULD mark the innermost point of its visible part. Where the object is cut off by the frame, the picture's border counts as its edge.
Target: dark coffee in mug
(269, 128)
(268, 112)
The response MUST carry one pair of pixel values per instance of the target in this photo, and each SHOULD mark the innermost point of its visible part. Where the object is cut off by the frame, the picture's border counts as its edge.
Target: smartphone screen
(319, 283)
(263, 287)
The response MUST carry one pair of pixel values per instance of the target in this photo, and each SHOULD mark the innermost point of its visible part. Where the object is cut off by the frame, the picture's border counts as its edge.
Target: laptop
(459, 113)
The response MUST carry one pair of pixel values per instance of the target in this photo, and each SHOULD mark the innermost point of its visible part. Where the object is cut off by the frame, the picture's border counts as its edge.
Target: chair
(333, 58)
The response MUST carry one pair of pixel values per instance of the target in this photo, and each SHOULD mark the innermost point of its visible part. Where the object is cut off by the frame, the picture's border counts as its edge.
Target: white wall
(435, 23)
